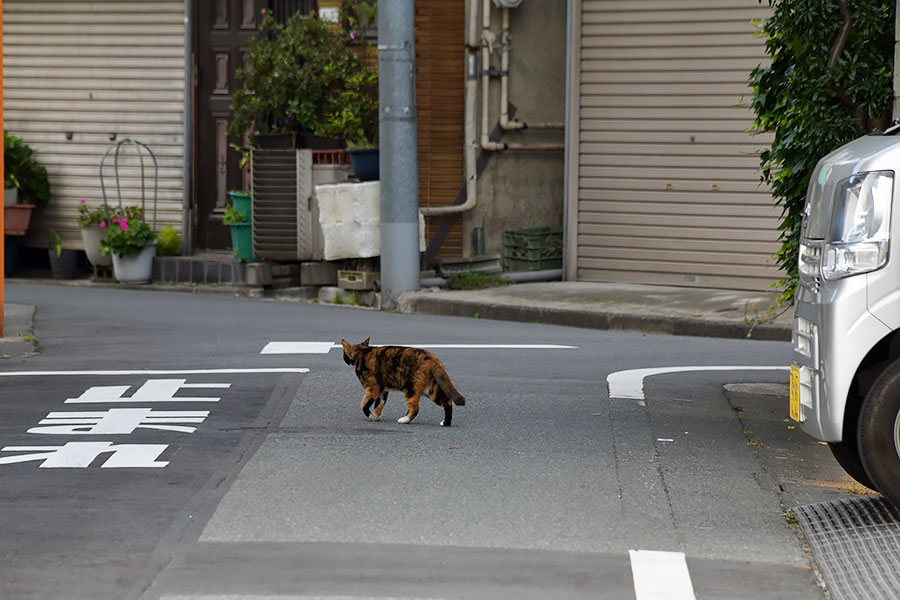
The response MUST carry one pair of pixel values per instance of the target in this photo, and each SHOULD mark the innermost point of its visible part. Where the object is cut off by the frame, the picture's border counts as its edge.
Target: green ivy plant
(305, 76)
(829, 82)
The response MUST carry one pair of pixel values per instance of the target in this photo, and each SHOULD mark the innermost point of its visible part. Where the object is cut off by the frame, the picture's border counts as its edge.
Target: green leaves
(22, 170)
(306, 76)
(811, 108)
(127, 235)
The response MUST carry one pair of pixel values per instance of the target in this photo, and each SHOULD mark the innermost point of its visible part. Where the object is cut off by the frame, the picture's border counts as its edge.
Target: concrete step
(201, 269)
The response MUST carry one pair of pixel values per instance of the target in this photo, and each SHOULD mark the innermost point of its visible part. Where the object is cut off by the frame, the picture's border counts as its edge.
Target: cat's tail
(443, 380)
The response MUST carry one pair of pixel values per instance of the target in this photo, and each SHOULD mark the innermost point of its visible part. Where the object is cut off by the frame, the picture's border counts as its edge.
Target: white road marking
(155, 372)
(630, 384)
(326, 347)
(299, 347)
(660, 575)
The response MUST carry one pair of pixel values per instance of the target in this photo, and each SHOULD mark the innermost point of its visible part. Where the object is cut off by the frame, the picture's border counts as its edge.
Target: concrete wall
(524, 188)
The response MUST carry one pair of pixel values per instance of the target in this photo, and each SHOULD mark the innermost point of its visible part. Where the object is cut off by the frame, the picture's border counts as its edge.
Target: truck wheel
(847, 455)
(879, 433)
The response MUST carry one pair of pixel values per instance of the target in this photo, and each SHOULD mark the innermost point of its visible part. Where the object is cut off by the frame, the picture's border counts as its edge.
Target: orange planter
(16, 218)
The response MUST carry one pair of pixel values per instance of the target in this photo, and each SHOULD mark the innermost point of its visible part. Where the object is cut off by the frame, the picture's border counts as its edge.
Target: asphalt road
(544, 486)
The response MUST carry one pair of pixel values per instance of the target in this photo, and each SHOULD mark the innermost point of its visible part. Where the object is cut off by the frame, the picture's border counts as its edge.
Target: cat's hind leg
(448, 414)
(412, 408)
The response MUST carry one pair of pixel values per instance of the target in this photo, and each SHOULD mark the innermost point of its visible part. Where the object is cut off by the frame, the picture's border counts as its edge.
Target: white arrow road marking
(660, 575)
(156, 372)
(630, 384)
(326, 347)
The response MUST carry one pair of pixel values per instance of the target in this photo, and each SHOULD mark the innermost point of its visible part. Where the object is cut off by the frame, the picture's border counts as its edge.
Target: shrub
(829, 82)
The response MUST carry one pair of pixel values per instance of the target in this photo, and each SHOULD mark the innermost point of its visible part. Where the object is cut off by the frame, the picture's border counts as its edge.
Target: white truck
(845, 380)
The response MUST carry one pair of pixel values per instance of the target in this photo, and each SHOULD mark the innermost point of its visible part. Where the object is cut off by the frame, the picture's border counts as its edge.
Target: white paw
(442, 424)
(403, 420)
(374, 417)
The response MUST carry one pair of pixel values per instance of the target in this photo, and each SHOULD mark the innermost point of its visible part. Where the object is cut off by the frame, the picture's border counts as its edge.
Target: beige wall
(522, 188)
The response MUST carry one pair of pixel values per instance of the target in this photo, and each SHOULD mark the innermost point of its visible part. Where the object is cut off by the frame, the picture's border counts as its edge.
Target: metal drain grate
(856, 544)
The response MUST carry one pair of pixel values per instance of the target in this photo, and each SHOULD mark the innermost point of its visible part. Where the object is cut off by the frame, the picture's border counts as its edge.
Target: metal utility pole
(398, 150)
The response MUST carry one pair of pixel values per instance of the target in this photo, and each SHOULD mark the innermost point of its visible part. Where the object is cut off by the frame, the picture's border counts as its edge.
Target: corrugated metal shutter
(440, 39)
(668, 191)
(91, 69)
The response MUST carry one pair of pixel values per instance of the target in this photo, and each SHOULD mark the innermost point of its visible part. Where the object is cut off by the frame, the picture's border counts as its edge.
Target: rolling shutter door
(86, 70)
(668, 191)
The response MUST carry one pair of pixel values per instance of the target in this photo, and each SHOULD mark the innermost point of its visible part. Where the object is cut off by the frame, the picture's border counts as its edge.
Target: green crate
(533, 249)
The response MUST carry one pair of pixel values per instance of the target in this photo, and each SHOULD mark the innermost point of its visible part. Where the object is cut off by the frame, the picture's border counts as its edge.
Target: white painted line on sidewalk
(325, 347)
(660, 575)
(630, 384)
(155, 372)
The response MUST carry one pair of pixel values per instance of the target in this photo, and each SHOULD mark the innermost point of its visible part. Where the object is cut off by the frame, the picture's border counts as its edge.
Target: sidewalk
(643, 308)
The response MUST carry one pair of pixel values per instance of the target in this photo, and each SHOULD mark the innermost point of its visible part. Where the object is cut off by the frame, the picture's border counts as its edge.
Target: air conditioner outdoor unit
(285, 216)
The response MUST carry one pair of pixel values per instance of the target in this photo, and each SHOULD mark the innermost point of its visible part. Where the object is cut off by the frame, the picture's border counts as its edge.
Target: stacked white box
(350, 217)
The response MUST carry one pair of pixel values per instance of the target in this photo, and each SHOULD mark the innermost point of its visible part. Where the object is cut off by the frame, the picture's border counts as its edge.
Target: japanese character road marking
(155, 390)
(118, 421)
(80, 455)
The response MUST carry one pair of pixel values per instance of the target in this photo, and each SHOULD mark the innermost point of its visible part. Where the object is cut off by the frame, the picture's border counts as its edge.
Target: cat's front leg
(379, 406)
(370, 399)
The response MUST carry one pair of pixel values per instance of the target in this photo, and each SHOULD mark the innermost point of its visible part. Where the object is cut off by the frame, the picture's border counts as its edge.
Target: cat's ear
(346, 345)
(366, 343)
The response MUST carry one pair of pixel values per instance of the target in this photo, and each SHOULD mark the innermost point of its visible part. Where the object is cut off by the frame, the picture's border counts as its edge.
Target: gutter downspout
(487, 45)
(470, 139)
(488, 40)
(187, 234)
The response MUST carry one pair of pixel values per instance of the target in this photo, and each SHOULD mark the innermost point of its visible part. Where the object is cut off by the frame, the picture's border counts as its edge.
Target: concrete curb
(594, 319)
(18, 326)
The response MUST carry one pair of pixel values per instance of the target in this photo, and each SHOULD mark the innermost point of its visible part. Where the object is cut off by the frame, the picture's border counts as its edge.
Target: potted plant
(93, 225)
(237, 217)
(63, 261)
(305, 80)
(357, 119)
(26, 187)
(132, 244)
(23, 173)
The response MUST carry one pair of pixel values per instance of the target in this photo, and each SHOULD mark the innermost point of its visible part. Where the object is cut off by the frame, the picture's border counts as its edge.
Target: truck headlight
(859, 237)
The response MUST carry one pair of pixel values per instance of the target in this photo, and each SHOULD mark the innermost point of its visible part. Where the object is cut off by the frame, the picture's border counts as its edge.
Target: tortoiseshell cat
(413, 371)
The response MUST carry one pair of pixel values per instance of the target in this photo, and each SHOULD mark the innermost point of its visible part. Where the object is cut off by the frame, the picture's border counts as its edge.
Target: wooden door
(223, 29)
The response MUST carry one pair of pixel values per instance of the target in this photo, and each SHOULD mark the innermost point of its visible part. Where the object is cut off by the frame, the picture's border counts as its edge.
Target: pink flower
(102, 224)
(354, 34)
(82, 201)
(123, 224)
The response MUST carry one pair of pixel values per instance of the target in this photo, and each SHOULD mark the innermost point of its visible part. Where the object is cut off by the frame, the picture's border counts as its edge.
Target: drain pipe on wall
(488, 40)
(505, 123)
(470, 134)
(507, 276)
